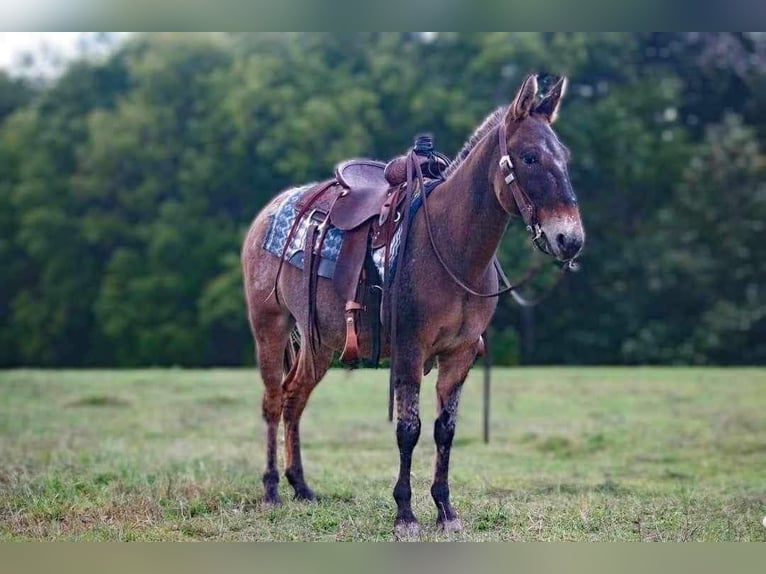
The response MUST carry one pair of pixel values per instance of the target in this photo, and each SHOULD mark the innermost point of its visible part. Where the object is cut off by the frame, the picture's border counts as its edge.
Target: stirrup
(350, 354)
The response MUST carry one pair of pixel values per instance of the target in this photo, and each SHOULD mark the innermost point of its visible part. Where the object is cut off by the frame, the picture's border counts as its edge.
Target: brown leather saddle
(360, 191)
(364, 200)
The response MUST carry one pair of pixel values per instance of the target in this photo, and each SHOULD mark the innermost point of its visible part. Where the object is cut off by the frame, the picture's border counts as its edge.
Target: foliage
(127, 184)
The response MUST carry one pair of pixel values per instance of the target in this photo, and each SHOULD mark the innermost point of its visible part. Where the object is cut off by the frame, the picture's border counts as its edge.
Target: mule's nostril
(569, 245)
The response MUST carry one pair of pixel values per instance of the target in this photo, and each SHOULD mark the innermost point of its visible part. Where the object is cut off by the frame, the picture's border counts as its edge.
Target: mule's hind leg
(453, 369)
(271, 331)
(297, 389)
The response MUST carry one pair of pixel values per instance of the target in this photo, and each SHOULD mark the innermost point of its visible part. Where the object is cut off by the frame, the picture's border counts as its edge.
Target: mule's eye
(529, 159)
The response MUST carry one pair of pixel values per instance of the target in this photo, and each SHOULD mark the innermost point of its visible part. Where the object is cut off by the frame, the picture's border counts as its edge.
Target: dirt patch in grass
(561, 446)
(100, 401)
(220, 401)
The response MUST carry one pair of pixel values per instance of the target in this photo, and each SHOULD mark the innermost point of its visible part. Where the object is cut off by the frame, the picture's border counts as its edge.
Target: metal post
(487, 374)
(391, 399)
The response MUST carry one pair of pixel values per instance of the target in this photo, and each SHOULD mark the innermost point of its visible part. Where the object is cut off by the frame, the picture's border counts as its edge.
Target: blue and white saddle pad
(282, 216)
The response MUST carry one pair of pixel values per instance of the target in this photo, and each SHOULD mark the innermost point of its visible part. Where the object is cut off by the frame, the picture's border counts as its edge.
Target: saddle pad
(281, 221)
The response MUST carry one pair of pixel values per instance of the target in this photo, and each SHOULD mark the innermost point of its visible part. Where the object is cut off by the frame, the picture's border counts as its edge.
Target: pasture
(575, 454)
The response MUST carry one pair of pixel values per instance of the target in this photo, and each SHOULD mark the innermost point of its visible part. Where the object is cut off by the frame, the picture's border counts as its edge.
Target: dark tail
(292, 349)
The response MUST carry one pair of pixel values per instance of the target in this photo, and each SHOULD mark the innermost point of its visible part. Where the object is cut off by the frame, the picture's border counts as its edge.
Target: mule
(437, 319)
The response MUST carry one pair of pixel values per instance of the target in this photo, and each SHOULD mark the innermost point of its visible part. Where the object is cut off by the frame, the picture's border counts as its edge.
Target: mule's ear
(549, 107)
(524, 101)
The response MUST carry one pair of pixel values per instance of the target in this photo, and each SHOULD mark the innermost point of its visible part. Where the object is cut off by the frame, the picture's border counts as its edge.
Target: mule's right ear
(524, 101)
(549, 107)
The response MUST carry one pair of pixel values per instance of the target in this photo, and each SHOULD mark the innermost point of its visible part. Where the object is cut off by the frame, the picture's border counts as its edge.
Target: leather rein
(529, 216)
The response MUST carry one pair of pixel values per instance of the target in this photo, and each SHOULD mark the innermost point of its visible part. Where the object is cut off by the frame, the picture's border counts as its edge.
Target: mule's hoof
(407, 531)
(454, 525)
(271, 502)
(305, 495)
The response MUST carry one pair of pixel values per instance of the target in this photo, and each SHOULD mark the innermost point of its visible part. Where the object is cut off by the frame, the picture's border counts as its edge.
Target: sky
(51, 49)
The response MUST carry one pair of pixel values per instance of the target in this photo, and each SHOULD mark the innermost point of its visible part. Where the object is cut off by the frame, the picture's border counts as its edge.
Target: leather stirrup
(350, 354)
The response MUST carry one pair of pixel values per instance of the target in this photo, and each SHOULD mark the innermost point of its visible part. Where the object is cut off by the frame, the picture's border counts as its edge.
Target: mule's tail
(292, 351)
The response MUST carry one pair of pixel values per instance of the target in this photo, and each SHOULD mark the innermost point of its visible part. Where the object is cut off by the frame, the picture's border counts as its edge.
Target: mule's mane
(490, 122)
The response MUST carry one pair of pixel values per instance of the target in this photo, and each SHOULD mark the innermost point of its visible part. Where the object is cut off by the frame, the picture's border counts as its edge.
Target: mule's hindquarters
(288, 370)
(270, 325)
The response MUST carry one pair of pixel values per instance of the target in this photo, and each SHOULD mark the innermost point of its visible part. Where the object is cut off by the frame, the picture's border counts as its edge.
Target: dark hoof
(305, 495)
(407, 531)
(272, 501)
(453, 525)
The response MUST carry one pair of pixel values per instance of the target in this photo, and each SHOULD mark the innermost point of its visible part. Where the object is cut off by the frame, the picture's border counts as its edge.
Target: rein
(529, 216)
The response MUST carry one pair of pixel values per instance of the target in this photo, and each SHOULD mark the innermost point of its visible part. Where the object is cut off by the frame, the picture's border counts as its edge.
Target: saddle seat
(362, 190)
(365, 192)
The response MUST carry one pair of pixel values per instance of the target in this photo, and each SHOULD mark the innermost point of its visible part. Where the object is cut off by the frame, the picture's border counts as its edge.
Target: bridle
(528, 214)
(523, 203)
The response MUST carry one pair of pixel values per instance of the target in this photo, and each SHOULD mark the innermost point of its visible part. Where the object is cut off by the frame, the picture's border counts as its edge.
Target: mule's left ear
(524, 101)
(549, 107)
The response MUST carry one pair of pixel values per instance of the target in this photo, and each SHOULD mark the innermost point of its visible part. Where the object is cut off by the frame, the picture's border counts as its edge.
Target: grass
(575, 454)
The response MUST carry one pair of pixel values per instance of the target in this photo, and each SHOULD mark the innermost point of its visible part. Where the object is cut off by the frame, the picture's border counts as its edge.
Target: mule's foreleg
(407, 388)
(453, 370)
(296, 392)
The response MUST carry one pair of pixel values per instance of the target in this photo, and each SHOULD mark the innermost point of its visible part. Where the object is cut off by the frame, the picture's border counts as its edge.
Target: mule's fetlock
(271, 488)
(302, 490)
(445, 512)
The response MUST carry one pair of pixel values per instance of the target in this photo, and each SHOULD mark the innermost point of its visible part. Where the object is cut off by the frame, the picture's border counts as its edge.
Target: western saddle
(367, 200)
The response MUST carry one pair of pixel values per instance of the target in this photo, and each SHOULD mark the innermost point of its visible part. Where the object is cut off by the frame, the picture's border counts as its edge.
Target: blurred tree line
(127, 184)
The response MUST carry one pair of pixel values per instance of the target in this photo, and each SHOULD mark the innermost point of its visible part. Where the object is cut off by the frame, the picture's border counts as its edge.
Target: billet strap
(315, 195)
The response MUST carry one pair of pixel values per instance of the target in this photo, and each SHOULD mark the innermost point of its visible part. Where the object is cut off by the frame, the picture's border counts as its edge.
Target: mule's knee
(440, 492)
(444, 429)
(407, 434)
(271, 405)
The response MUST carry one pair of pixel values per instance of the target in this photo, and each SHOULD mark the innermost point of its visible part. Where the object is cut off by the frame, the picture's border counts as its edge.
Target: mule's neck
(469, 218)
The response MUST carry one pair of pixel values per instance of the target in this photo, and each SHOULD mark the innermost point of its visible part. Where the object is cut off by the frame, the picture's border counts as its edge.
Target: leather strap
(309, 282)
(523, 204)
(315, 195)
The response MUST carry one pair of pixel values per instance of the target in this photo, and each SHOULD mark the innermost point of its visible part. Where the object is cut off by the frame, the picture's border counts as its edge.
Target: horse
(513, 166)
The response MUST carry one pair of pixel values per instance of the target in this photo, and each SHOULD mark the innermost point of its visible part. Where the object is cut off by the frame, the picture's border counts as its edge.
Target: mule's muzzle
(563, 231)
(569, 246)
(542, 243)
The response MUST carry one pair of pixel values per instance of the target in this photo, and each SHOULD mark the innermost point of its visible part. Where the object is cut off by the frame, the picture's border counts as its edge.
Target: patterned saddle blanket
(282, 221)
(284, 214)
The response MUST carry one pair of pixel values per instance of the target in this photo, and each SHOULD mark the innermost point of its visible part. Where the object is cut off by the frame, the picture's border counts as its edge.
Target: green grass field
(575, 454)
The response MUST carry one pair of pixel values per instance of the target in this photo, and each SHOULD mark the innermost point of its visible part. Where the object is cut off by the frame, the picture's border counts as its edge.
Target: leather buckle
(535, 232)
(505, 162)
